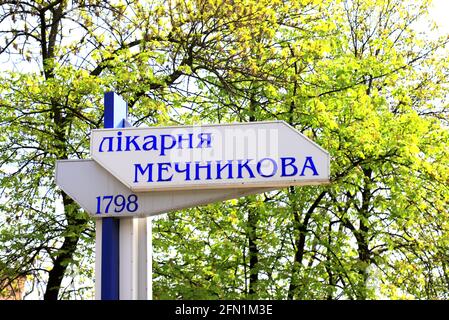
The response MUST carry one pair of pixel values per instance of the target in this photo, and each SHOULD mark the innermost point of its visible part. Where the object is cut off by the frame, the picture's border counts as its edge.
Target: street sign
(244, 155)
(102, 195)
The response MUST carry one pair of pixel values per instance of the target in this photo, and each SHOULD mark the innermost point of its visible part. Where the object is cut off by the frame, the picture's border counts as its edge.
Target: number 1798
(118, 202)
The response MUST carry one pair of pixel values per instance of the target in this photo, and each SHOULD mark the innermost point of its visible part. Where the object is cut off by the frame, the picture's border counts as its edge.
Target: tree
(363, 89)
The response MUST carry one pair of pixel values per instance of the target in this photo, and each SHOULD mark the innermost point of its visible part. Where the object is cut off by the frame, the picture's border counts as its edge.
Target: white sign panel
(102, 195)
(255, 154)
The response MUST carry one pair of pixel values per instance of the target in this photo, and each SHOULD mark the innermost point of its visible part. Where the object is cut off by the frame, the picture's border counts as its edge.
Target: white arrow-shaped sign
(256, 154)
(102, 195)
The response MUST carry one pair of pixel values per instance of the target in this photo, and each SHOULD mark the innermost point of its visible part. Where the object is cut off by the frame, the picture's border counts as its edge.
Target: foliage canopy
(353, 75)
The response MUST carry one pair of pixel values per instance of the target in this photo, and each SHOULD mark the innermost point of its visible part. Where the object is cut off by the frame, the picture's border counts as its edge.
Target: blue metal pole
(115, 114)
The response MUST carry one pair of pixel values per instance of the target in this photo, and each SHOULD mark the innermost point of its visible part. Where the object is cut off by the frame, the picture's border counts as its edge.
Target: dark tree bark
(361, 235)
(253, 252)
(76, 223)
(300, 241)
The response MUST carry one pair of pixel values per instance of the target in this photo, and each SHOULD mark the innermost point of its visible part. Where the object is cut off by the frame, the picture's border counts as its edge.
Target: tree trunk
(253, 252)
(330, 272)
(300, 241)
(252, 225)
(76, 224)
